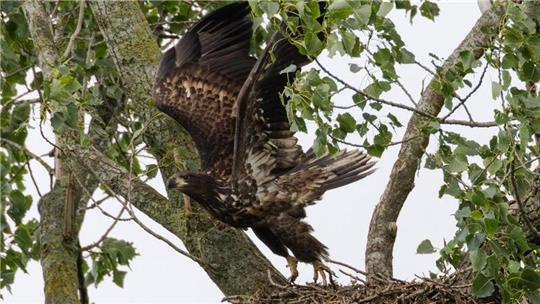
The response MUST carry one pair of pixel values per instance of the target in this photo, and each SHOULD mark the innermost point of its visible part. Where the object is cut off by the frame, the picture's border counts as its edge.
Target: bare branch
(383, 101)
(33, 179)
(472, 124)
(78, 28)
(411, 99)
(28, 153)
(463, 100)
(367, 146)
(405, 107)
(381, 237)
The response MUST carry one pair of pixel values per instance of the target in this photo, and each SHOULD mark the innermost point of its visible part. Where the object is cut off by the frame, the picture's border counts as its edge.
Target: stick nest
(394, 291)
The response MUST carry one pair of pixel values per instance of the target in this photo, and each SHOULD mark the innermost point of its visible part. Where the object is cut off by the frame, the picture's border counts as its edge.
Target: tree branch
(58, 254)
(381, 236)
(416, 110)
(136, 56)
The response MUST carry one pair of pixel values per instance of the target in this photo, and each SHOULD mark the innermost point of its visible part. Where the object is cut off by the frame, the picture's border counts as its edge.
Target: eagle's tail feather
(348, 167)
(343, 168)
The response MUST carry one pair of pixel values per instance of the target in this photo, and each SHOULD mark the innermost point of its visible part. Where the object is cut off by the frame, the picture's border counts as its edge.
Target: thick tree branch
(382, 233)
(155, 205)
(239, 268)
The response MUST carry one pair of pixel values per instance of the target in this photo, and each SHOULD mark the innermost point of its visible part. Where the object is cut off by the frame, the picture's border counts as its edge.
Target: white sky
(340, 220)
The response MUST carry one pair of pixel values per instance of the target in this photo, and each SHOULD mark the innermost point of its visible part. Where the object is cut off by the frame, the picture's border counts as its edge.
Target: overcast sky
(341, 219)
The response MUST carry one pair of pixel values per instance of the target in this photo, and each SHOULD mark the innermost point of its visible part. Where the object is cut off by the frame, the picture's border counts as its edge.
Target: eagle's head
(192, 184)
(204, 189)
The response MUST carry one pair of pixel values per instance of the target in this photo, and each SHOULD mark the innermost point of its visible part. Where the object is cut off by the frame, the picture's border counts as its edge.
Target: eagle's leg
(187, 205)
(292, 264)
(320, 268)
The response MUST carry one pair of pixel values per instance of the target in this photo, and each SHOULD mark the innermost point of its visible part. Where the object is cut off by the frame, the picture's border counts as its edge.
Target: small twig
(383, 101)
(17, 99)
(353, 277)
(78, 28)
(33, 179)
(28, 153)
(463, 100)
(105, 234)
(425, 68)
(367, 146)
(472, 124)
(347, 266)
(97, 203)
(406, 92)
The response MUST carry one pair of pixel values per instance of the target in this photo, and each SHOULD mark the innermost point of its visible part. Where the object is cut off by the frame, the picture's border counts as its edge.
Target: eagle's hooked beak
(176, 183)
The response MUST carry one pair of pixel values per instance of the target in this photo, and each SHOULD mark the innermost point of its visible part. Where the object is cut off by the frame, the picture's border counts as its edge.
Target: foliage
(112, 254)
(486, 178)
(480, 176)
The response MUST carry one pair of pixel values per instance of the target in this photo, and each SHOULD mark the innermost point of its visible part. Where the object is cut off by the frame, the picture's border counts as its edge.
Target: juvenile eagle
(253, 172)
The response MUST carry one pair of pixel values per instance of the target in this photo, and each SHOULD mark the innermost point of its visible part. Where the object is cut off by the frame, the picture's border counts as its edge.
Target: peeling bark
(382, 236)
(238, 266)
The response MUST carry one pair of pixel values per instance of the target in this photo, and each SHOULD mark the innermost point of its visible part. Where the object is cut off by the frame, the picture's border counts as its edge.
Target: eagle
(253, 173)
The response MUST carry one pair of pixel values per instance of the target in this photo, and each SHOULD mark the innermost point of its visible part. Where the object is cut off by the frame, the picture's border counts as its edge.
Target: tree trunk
(58, 253)
(237, 265)
(60, 247)
(383, 228)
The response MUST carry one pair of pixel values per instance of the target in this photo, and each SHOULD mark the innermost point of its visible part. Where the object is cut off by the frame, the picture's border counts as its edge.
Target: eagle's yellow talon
(320, 268)
(292, 263)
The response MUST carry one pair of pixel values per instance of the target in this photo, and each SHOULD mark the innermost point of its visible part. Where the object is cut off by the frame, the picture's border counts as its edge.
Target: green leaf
(429, 10)
(425, 247)
(509, 61)
(467, 59)
(496, 89)
(513, 37)
(312, 43)
(350, 43)
(19, 205)
(534, 297)
(482, 286)
(405, 57)
(375, 150)
(384, 9)
(118, 277)
(531, 279)
(58, 122)
(346, 122)
(530, 71)
(457, 165)
(340, 9)
(491, 226)
(23, 238)
(382, 57)
(478, 259)
(269, 7)
(394, 120)
(363, 13)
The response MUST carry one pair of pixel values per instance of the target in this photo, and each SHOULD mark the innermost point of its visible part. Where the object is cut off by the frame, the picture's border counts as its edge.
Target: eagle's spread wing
(265, 147)
(199, 79)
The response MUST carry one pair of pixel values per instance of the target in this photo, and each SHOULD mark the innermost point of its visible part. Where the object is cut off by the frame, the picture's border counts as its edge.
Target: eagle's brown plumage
(253, 172)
